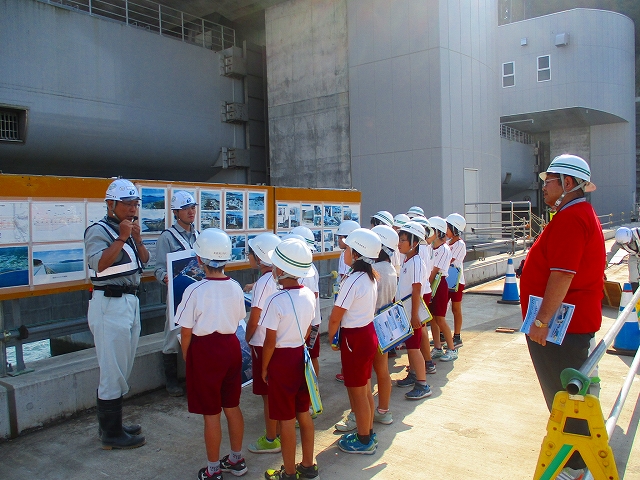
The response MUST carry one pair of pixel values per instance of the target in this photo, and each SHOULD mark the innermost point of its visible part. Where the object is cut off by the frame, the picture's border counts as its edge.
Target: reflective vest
(129, 264)
(178, 236)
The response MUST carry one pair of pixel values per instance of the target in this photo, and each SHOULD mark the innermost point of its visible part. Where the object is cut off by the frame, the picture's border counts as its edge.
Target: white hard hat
(624, 235)
(262, 244)
(122, 189)
(573, 166)
(347, 227)
(415, 210)
(438, 223)
(365, 242)
(428, 229)
(400, 219)
(384, 217)
(181, 199)
(293, 256)
(307, 235)
(213, 246)
(413, 228)
(457, 221)
(388, 237)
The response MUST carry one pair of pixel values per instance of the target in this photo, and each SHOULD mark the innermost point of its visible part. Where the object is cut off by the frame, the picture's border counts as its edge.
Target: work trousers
(115, 324)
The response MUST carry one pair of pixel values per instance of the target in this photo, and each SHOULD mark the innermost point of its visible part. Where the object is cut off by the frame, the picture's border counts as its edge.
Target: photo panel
(55, 263)
(14, 222)
(328, 239)
(57, 221)
(307, 214)
(329, 219)
(238, 248)
(14, 266)
(294, 215)
(210, 209)
(150, 244)
(234, 220)
(317, 238)
(283, 215)
(96, 211)
(257, 210)
(153, 210)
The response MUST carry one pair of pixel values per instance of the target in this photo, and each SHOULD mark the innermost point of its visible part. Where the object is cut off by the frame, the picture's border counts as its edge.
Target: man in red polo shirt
(565, 264)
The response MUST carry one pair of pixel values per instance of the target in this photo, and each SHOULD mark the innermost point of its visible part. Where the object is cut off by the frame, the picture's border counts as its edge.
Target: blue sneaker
(350, 443)
(437, 353)
(418, 392)
(450, 356)
(408, 381)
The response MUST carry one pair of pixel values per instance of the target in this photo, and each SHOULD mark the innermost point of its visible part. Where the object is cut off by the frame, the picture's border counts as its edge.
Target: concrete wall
(308, 96)
(517, 160)
(105, 98)
(575, 140)
(423, 86)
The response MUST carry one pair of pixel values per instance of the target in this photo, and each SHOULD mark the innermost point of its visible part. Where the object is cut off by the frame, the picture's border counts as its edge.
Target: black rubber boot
(110, 420)
(133, 429)
(170, 361)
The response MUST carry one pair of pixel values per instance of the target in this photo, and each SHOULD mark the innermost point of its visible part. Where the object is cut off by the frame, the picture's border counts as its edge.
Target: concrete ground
(485, 420)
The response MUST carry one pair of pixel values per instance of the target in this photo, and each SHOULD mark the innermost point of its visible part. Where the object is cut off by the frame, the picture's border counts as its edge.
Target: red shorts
(214, 365)
(315, 351)
(413, 342)
(456, 296)
(288, 392)
(440, 299)
(358, 348)
(259, 387)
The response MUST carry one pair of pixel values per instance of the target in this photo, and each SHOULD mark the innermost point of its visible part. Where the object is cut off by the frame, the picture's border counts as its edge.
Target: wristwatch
(539, 324)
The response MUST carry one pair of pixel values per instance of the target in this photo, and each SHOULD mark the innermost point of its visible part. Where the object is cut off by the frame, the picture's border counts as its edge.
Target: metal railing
(156, 18)
(514, 135)
(500, 225)
(576, 384)
(33, 333)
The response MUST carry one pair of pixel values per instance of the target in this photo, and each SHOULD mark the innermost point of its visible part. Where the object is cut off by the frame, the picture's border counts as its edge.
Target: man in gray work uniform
(181, 236)
(115, 256)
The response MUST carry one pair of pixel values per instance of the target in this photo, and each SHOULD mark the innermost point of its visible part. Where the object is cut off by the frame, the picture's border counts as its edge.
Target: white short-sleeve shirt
(426, 254)
(442, 258)
(387, 283)
(264, 287)
(313, 283)
(358, 296)
(211, 305)
(397, 259)
(413, 271)
(458, 252)
(279, 315)
(343, 268)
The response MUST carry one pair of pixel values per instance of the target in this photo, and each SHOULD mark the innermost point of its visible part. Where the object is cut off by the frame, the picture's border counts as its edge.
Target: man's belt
(117, 290)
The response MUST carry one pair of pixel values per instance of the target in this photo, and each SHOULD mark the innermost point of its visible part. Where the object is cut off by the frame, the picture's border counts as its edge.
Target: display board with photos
(323, 219)
(43, 219)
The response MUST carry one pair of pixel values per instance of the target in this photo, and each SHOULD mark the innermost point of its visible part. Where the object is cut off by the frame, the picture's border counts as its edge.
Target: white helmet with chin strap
(122, 189)
(382, 218)
(428, 228)
(415, 230)
(307, 235)
(439, 224)
(213, 246)
(262, 244)
(366, 242)
(628, 239)
(347, 227)
(572, 166)
(400, 219)
(388, 237)
(415, 211)
(457, 221)
(293, 257)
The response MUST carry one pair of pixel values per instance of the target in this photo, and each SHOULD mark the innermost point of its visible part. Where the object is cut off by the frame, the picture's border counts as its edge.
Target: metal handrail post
(90, 7)
(203, 42)
(575, 384)
(126, 11)
(160, 18)
(182, 24)
(3, 344)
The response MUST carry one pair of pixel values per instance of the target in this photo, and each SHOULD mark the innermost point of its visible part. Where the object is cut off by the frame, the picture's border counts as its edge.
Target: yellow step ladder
(571, 414)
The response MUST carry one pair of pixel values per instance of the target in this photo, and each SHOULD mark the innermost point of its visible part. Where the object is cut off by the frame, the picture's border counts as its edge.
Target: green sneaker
(262, 445)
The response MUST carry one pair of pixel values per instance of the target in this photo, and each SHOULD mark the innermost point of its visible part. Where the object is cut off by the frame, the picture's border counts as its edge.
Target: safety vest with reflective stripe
(129, 264)
(178, 236)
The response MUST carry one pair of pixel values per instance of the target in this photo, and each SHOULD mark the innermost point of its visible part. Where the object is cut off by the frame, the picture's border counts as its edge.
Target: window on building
(508, 74)
(12, 124)
(544, 68)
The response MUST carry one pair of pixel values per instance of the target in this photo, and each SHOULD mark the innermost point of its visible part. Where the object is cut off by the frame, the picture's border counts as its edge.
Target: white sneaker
(347, 424)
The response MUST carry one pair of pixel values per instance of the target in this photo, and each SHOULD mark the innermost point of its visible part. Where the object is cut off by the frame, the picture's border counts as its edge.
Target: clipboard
(436, 283)
(423, 312)
(453, 278)
(392, 326)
